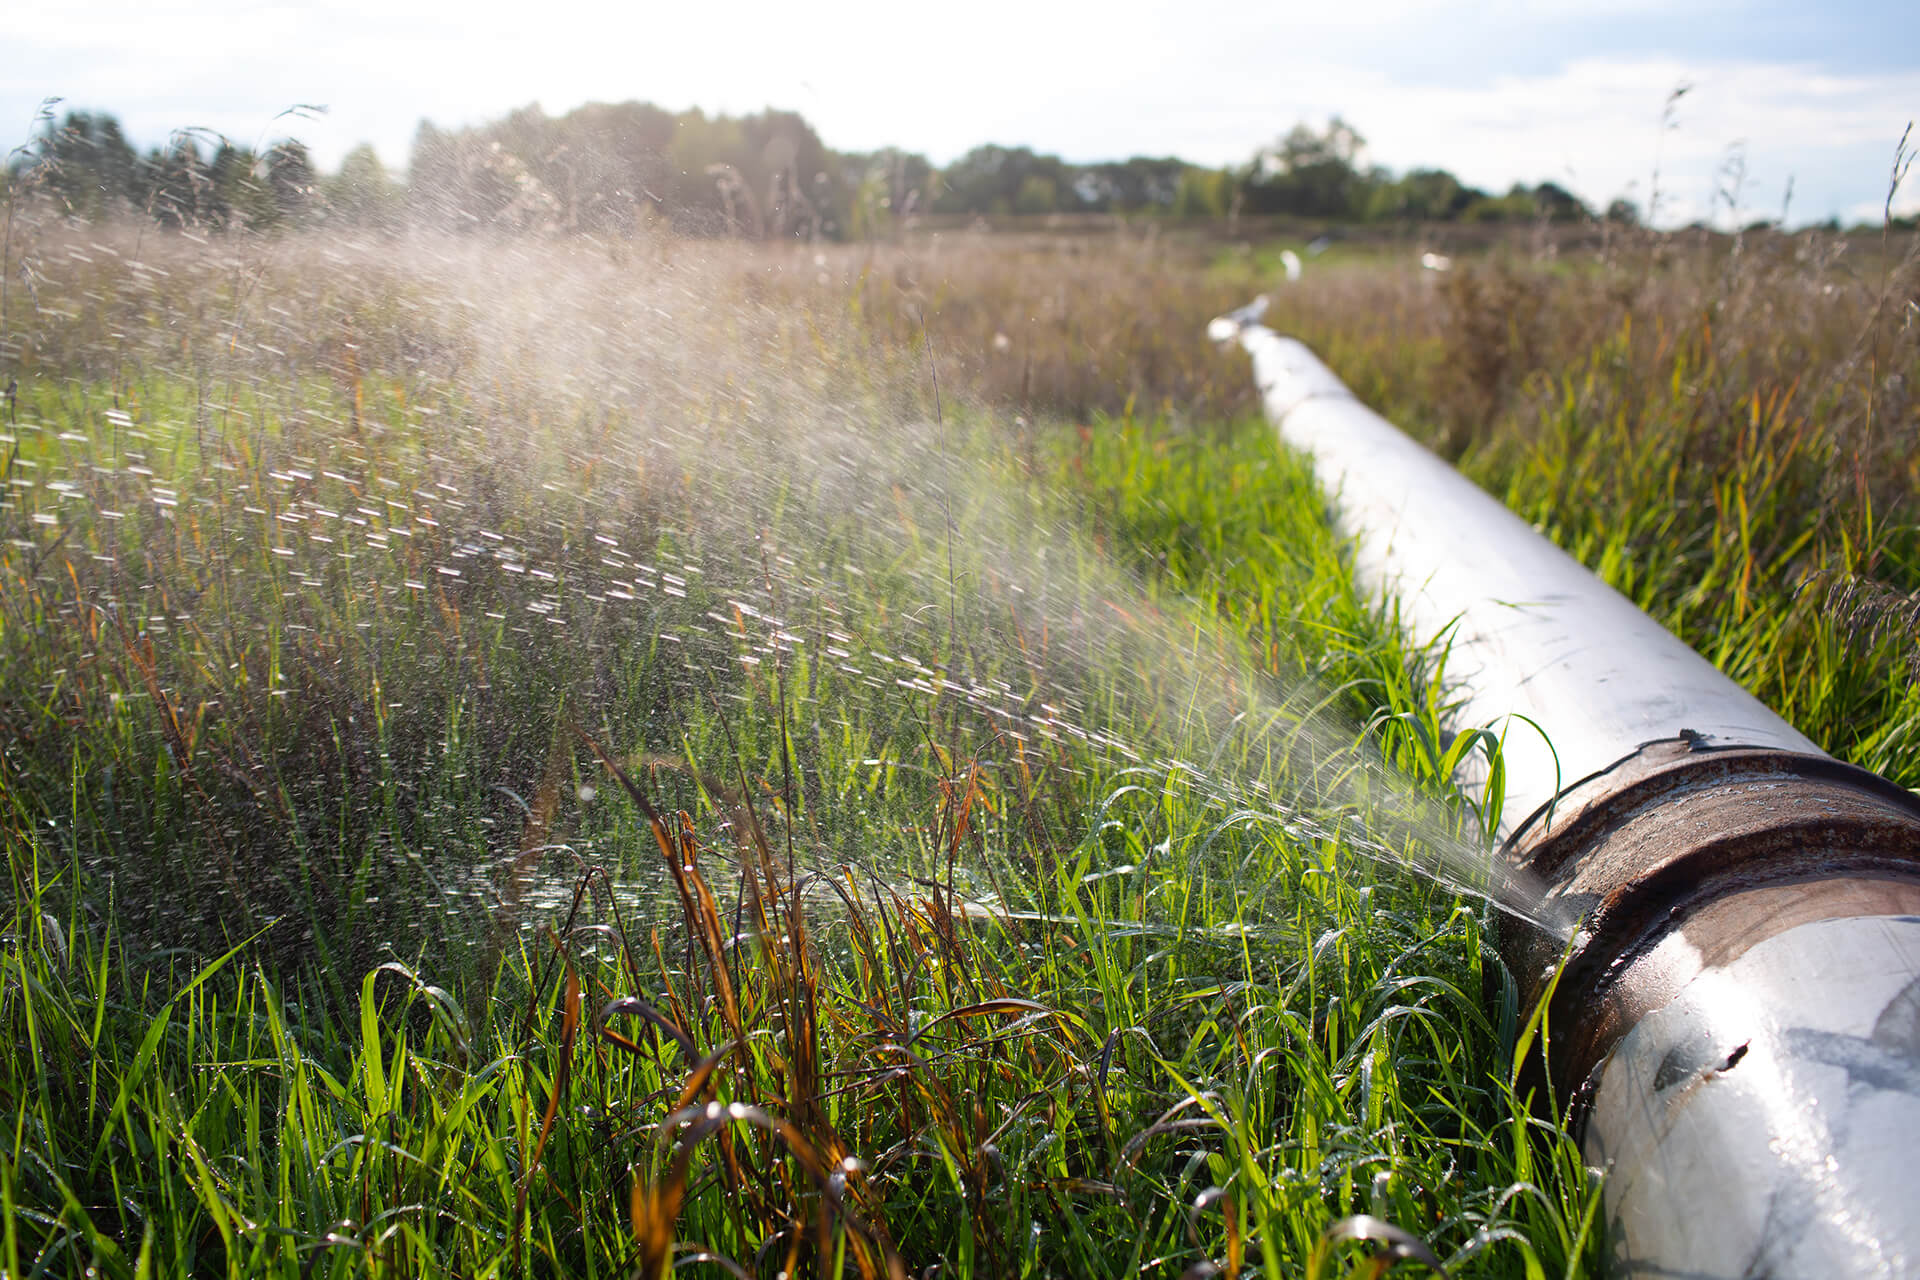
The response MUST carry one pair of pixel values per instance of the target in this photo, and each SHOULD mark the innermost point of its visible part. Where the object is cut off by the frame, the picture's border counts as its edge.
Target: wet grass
(1116, 992)
(566, 759)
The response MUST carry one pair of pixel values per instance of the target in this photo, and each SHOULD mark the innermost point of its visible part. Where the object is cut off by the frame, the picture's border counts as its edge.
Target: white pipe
(1757, 1107)
(1535, 636)
(1766, 1122)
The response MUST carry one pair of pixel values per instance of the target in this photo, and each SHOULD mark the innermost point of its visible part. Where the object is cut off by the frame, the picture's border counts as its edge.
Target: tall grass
(1724, 427)
(558, 758)
(1195, 1040)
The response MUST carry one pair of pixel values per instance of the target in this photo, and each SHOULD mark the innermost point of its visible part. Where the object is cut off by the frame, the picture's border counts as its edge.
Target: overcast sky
(1498, 91)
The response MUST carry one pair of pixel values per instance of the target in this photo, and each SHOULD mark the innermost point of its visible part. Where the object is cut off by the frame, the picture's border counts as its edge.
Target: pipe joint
(1681, 857)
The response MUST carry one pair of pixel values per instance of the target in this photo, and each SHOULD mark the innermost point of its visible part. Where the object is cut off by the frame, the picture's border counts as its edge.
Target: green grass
(811, 827)
(1183, 987)
(1761, 538)
(1725, 436)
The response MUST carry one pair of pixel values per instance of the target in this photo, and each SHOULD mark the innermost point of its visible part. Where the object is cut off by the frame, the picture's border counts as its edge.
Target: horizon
(1573, 94)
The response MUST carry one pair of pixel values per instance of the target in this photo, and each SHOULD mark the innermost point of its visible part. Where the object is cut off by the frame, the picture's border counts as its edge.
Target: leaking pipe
(1733, 1027)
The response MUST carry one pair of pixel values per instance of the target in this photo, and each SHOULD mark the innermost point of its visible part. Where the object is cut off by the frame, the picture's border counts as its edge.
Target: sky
(1498, 91)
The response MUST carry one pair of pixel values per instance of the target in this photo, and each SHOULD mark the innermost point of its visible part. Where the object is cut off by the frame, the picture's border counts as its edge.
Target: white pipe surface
(1764, 1123)
(1535, 636)
(1765, 1119)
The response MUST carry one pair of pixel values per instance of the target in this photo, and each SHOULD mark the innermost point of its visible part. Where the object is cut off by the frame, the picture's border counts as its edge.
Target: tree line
(609, 168)
(86, 164)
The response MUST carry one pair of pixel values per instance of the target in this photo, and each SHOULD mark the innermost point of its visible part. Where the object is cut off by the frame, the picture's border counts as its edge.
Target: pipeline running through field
(1734, 1029)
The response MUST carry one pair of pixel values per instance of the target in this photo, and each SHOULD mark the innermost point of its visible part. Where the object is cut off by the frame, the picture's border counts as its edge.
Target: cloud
(1599, 127)
(1512, 90)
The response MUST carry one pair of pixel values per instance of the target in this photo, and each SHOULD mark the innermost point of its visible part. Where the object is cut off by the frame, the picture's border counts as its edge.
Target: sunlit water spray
(411, 508)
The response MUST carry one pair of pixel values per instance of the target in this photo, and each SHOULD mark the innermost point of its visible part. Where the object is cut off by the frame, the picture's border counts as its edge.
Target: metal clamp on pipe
(1735, 1029)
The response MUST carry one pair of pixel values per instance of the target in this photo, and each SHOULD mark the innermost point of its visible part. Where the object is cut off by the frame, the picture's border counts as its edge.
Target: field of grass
(580, 758)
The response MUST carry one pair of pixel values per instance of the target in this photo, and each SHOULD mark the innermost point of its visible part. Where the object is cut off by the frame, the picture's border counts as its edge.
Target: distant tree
(433, 176)
(1202, 193)
(525, 133)
(1310, 173)
(1137, 184)
(468, 179)
(178, 184)
(788, 163)
(998, 180)
(1518, 205)
(290, 180)
(1556, 204)
(1037, 194)
(362, 194)
(991, 180)
(599, 167)
(88, 165)
(1623, 211)
(1422, 195)
(983, 180)
(236, 196)
(707, 192)
(608, 163)
(1523, 203)
(881, 187)
(606, 168)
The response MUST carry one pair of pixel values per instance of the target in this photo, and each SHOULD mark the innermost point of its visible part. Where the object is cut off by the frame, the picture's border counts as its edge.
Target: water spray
(1732, 1009)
